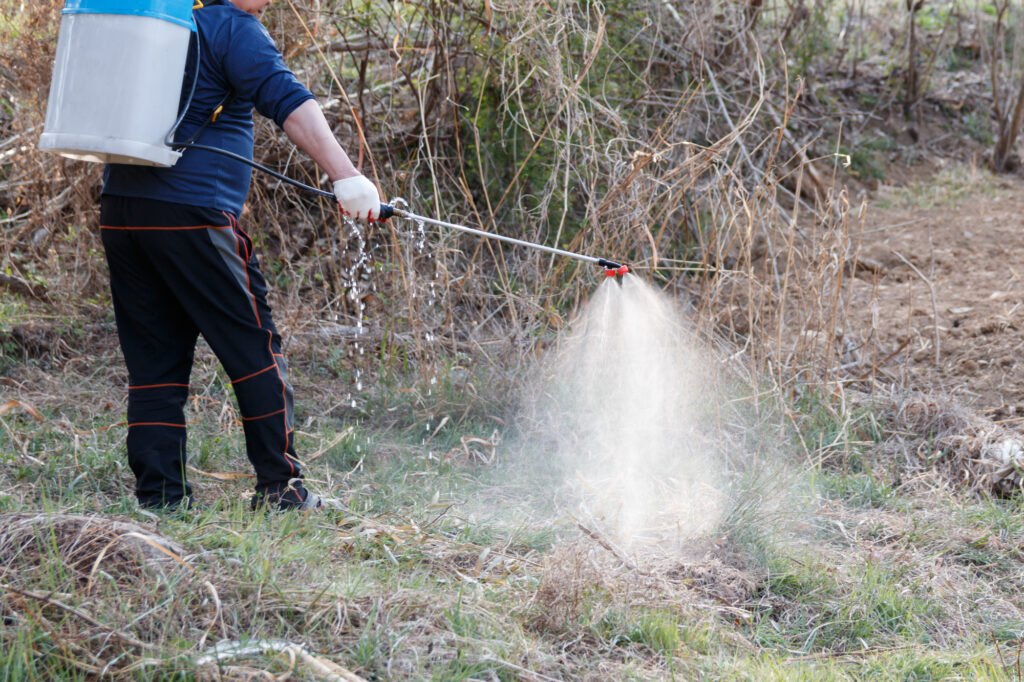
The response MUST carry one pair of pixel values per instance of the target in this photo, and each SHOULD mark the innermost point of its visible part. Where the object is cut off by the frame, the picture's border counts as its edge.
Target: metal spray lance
(611, 268)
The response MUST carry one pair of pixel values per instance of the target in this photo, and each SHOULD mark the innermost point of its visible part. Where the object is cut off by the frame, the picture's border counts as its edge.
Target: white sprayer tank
(117, 80)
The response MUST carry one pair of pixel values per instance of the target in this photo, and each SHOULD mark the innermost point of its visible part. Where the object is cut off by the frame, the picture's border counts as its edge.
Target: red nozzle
(616, 272)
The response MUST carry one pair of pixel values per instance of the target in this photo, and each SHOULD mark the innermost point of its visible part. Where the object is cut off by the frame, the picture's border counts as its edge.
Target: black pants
(176, 272)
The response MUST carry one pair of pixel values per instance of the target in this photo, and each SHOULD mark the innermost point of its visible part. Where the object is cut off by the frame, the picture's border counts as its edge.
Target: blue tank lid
(174, 11)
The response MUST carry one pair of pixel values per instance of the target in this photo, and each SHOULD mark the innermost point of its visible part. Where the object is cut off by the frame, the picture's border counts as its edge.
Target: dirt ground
(952, 261)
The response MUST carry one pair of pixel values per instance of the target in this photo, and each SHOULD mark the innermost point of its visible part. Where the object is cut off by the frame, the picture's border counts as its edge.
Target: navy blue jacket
(238, 56)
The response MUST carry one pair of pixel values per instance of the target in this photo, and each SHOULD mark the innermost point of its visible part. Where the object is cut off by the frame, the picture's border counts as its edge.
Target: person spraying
(181, 264)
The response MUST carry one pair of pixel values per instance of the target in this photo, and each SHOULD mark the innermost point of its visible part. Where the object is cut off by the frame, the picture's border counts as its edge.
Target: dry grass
(86, 545)
(491, 116)
(516, 119)
(971, 452)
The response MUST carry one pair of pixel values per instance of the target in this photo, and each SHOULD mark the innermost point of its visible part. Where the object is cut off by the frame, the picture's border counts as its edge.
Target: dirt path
(954, 263)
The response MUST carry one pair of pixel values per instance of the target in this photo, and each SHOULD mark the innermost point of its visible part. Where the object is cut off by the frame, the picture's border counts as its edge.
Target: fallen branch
(596, 537)
(117, 634)
(20, 286)
(321, 668)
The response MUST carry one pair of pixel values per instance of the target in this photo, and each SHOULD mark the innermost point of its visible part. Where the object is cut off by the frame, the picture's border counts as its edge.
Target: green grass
(947, 188)
(977, 125)
(378, 584)
(859, 490)
(844, 608)
(439, 566)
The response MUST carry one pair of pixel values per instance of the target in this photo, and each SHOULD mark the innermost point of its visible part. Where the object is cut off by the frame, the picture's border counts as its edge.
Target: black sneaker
(298, 499)
(186, 507)
(181, 504)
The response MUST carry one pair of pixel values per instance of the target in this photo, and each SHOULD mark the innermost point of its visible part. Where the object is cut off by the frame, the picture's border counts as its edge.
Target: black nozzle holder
(607, 264)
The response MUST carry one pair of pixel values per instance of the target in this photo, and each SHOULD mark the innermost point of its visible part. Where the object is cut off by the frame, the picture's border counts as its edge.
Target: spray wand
(611, 268)
(169, 155)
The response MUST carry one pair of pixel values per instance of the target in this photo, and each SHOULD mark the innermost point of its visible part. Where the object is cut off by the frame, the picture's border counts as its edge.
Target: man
(181, 265)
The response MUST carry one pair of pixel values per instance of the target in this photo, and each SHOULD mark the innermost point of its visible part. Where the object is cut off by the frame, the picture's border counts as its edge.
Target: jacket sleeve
(256, 71)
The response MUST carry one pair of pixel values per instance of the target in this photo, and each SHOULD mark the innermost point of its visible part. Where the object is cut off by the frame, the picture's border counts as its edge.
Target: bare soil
(954, 265)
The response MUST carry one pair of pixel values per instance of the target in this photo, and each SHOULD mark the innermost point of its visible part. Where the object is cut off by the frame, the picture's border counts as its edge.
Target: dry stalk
(514, 118)
(935, 305)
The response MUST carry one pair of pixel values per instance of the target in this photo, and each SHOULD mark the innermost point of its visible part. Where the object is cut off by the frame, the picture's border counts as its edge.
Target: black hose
(238, 157)
(191, 93)
(189, 145)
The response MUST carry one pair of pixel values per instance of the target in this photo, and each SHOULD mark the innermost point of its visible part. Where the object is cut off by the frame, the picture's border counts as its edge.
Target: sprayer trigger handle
(386, 211)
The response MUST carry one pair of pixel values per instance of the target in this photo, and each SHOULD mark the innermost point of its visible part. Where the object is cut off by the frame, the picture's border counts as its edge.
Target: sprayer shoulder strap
(217, 111)
(224, 103)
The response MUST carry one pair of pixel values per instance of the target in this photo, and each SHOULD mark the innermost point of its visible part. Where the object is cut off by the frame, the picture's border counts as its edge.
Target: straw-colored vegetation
(726, 151)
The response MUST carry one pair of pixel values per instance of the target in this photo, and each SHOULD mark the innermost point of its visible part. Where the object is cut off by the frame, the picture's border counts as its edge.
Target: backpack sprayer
(115, 93)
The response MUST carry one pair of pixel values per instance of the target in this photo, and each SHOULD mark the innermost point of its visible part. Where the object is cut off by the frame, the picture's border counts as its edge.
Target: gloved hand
(358, 197)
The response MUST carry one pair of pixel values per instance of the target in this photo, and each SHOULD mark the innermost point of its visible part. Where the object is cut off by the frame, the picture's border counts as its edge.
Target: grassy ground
(454, 559)
(453, 556)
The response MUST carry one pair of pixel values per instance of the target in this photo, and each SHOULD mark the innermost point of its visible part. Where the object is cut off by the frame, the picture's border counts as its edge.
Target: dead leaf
(221, 476)
(11, 404)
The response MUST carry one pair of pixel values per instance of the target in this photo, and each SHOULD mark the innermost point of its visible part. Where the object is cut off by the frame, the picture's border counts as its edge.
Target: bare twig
(935, 304)
(46, 599)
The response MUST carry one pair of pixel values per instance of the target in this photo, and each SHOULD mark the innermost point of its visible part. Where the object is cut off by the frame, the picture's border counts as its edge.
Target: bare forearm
(308, 129)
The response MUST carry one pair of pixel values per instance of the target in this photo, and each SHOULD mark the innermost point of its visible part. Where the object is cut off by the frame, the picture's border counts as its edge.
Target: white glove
(358, 197)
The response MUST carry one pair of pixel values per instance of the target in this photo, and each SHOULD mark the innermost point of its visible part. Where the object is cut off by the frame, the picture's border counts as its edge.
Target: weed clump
(82, 545)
